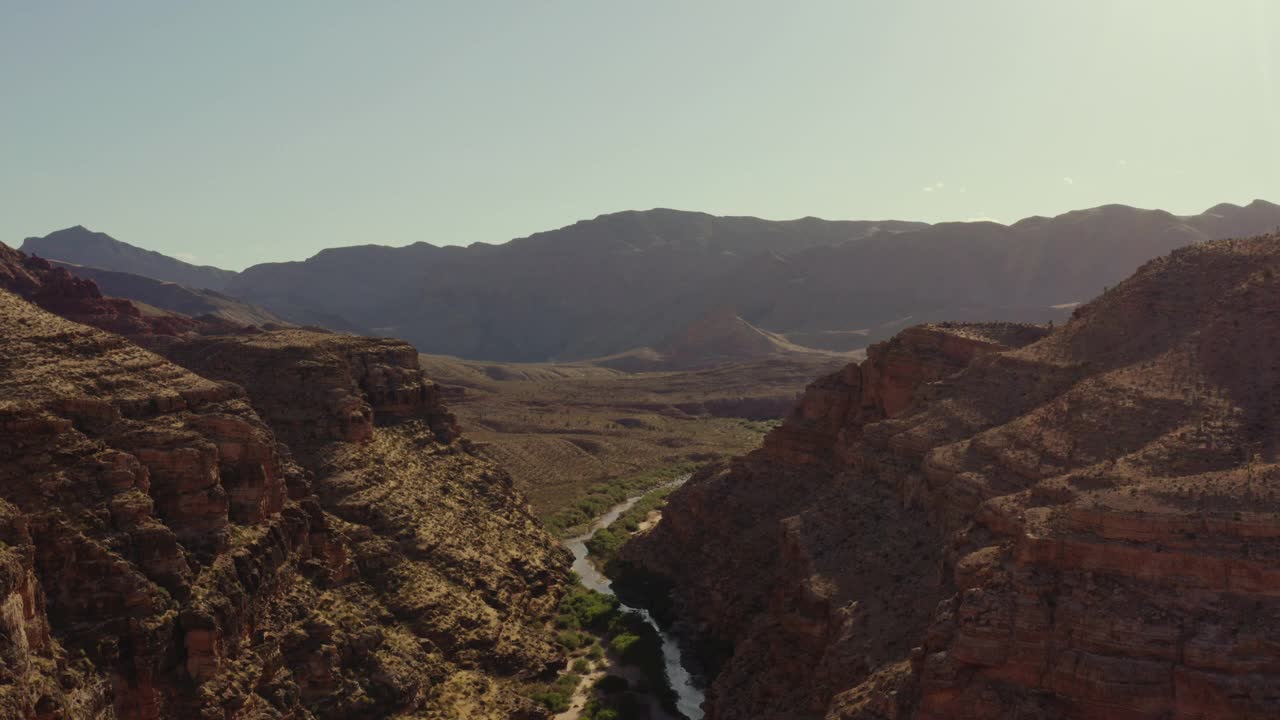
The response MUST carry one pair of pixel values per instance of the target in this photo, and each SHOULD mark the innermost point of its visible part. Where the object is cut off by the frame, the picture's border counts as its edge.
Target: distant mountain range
(81, 246)
(173, 297)
(634, 279)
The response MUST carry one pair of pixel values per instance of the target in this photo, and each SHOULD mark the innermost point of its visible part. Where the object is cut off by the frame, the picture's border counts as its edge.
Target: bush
(568, 682)
(589, 609)
(572, 639)
(637, 643)
(610, 492)
(581, 665)
(552, 700)
(622, 645)
(607, 542)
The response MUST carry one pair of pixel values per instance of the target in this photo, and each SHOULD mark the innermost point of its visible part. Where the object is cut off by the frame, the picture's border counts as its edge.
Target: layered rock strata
(970, 526)
(164, 554)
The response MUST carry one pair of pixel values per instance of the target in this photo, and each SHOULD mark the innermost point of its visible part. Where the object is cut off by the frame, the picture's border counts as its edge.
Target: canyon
(208, 521)
(1009, 521)
(222, 515)
(608, 361)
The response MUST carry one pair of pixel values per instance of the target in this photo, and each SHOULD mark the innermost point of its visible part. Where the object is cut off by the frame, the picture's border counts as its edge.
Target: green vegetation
(635, 642)
(605, 494)
(605, 544)
(557, 696)
(582, 608)
(761, 426)
(621, 645)
(572, 639)
(584, 620)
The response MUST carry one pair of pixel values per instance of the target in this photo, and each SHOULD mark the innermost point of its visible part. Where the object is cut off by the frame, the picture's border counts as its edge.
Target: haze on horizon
(236, 133)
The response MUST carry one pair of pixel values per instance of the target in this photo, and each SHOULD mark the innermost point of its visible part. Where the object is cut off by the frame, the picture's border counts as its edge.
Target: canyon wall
(293, 529)
(979, 522)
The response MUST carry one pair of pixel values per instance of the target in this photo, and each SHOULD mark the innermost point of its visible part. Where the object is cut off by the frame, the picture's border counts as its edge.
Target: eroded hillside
(165, 554)
(970, 526)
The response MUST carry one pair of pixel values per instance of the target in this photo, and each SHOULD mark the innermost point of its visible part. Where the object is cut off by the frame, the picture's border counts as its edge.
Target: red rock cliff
(1081, 527)
(163, 554)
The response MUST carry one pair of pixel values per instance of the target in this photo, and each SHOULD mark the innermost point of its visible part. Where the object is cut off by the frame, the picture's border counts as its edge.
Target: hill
(81, 246)
(981, 522)
(172, 297)
(618, 282)
(606, 286)
(718, 337)
(256, 524)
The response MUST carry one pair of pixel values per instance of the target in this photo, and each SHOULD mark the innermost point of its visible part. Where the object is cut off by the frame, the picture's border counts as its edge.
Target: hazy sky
(235, 133)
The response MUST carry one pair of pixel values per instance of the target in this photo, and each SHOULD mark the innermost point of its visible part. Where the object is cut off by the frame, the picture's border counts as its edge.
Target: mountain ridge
(81, 246)
(173, 297)
(627, 280)
(1005, 522)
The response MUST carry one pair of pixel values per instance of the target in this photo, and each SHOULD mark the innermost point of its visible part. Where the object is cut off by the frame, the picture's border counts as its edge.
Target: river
(689, 693)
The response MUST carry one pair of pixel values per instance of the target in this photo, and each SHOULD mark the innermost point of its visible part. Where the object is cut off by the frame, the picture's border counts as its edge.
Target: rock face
(57, 290)
(164, 554)
(971, 526)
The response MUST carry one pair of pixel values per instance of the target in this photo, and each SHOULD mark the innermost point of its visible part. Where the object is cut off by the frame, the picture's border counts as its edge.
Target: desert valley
(655, 361)
(1072, 518)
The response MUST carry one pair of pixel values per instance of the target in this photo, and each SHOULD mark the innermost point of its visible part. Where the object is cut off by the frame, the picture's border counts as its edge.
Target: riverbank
(623, 665)
(604, 545)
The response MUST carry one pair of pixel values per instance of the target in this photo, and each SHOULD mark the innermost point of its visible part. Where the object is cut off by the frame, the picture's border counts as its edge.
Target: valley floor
(568, 431)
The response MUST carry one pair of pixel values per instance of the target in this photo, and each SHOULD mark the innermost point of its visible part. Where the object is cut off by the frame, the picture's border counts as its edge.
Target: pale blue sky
(242, 132)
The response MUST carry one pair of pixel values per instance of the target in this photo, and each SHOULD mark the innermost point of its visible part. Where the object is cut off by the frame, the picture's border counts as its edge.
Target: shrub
(552, 700)
(622, 644)
(610, 492)
(589, 609)
(572, 639)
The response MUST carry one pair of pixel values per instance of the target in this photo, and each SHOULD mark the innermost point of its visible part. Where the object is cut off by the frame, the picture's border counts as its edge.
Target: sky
(232, 133)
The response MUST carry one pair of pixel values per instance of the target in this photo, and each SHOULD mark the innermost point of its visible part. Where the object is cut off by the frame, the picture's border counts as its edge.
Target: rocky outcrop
(125, 480)
(970, 526)
(58, 291)
(828, 419)
(317, 387)
(164, 554)
(443, 536)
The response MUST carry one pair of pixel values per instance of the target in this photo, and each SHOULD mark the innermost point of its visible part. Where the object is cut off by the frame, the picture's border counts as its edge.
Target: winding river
(689, 693)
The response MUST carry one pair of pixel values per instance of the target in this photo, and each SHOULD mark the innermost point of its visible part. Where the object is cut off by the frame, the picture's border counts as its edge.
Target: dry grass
(566, 430)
